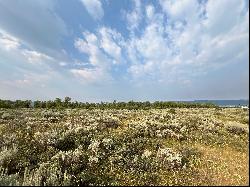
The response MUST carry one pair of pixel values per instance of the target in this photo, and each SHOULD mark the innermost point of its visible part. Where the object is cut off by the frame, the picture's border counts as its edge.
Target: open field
(124, 147)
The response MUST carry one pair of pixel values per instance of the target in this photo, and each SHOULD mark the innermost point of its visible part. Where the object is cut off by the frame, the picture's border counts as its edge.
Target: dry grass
(224, 166)
(217, 167)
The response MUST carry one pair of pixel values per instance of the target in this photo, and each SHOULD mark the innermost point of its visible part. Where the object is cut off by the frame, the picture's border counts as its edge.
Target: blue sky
(93, 50)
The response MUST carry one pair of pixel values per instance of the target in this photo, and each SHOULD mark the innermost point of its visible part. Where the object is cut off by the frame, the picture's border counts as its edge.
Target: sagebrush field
(202, 146)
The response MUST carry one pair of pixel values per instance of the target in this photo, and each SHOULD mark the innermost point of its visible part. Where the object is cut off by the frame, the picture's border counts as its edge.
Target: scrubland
(199, 146)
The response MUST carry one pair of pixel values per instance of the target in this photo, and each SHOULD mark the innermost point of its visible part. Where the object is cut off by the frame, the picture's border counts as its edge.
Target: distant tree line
(67, 103)
(15, 104)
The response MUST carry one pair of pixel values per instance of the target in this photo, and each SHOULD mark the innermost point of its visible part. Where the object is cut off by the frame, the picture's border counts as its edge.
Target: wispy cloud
(94, 8)
(34, 23)
(8, 42)
(135, 16)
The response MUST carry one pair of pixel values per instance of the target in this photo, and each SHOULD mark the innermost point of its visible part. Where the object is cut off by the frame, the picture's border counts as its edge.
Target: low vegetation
(131, 105)
(173, 146)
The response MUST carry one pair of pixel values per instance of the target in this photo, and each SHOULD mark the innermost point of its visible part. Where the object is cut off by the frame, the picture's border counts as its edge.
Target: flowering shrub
(8, 158)
(236, 128)
(109, 147)
(6, 116)
(169, 158)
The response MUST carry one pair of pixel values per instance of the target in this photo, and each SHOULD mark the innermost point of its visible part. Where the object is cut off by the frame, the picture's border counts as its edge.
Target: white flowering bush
(111, 147)
(6, 116)
(169, 158)
(8, 158)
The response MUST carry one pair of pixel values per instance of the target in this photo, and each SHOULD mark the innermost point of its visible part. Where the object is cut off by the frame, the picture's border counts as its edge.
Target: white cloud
(109, 44)
(148, 52)
(181, 9)
(8, 42)
(24, 67)
(35, 24)
(35, 56)
(223, 15)
(88, 75)
(103, 51)
(135, 16)
(90, 45)
(150, 11)
(191, 39)
(15, 47)
(152, 45)
(164, 50)
(63, 63)
(94, 8)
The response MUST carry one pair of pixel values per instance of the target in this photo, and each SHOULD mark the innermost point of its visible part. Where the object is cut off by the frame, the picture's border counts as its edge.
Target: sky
(141, 50)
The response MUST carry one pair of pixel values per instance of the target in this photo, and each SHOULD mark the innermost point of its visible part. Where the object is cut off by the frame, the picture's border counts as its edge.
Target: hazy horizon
(93, 50)
(73, 100)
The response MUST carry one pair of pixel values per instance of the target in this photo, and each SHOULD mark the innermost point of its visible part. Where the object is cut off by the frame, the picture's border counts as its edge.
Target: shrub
(169, 159)
(7, 116)
(8, 159)
(236, 130)
(65, 143)
(8, 180)
(188, 154)
(172, 111)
